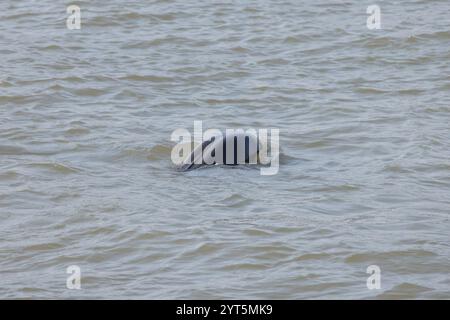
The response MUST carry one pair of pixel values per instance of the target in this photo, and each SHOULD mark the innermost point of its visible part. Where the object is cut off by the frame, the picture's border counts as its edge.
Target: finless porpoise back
(229, 149)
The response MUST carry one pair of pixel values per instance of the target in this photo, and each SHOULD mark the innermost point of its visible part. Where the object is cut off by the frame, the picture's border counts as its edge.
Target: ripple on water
(85, 171)
(404, 290)
(76, 131)
(234, 201)
(55, 167)
(12, 150)
(381, 256)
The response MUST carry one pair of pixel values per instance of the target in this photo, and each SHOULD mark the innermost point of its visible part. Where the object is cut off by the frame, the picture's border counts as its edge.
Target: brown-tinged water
(85, 171)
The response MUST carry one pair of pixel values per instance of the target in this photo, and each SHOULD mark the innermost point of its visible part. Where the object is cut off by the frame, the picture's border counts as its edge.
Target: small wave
(203, 249)
(56, 87)
(412, 91)
(235, 201)
(368, 90)
(380, 256)
(240, 49)
(226, 101)
(256, 232)
(76, 131)
(17, 16)
(90, 92)
(337, 188)
(159, 152)
(274, 62)
(102, 21)
(12, 150)
(380, 42)
(296, 39)
(156, 234)
(8, 175)
(158, 42)
(312, 256)
(146, 78)
(245, 266)
(438, 35)
(396, 168)
(15, 99)
(52, 47)
(55, 167)
(43, 247)
(137, 15)
(5, 84)
(404, 290)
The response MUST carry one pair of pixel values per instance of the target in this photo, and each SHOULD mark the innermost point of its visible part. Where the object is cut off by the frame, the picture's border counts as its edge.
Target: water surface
(85, 171)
